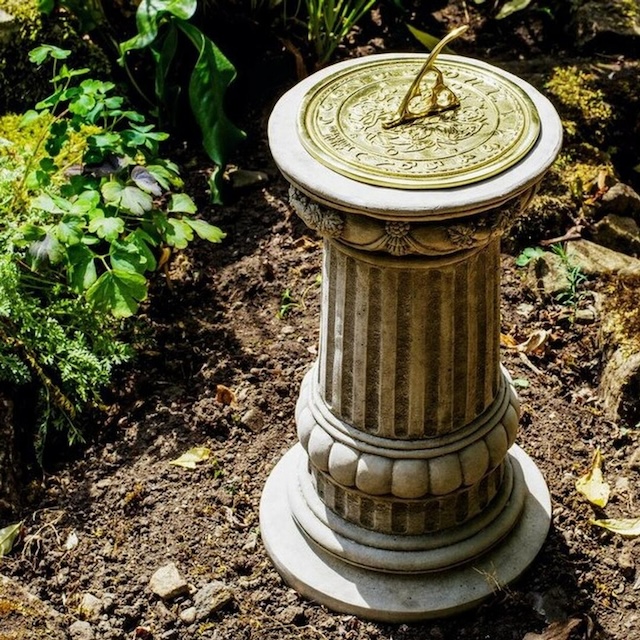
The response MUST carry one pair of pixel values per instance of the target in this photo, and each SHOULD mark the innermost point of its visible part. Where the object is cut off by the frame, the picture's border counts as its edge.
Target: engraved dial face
(341, 125)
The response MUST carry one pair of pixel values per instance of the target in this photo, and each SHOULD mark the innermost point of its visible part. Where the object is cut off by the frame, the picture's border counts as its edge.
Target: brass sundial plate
(341, 125)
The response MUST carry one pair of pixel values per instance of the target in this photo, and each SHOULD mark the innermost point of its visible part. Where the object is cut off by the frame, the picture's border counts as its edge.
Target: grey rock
(627, 564)
(621, 200)
(81, 630)
(253, 419)
(585, 316)
(290, 614)
(243, 178)
(90, 606)
(167, 582)
(619, 233)
(546, 276)
(188, 616)
(597, 260)
(211, 598)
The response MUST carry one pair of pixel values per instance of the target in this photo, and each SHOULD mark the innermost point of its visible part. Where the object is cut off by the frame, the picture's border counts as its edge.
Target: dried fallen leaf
(191, 458)
(224, 395)
(72, 541)
(535, 343)
(8, 537)
(556, 631)
(624, 526)
(508, 341)
(592, 485)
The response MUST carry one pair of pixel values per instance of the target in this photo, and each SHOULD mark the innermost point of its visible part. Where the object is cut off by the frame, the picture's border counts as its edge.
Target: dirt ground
(105, 519)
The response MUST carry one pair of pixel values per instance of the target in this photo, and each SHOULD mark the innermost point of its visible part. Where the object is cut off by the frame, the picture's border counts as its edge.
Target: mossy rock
(22, 84)
(613, 25)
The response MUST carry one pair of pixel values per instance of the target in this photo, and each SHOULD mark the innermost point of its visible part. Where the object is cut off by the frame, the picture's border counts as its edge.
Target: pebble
(211, 598)
(90, 606)
(81, 630)
(626, 564)
(253, 419)
(188, 616)
(167, 582)
(634, 460)
(290, 614)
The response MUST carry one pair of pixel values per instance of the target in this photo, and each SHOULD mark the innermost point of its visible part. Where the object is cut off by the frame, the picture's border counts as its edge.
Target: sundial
(409, 124)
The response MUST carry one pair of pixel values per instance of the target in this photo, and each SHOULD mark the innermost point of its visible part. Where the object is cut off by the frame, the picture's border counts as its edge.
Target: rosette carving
(403, 238)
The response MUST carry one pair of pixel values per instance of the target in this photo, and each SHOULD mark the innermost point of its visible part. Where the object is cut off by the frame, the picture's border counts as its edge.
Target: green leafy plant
(528, 255)
(574, 292)
(289, 302)
(105, 224)
(329, 22)
(165, 30)
(88, 209)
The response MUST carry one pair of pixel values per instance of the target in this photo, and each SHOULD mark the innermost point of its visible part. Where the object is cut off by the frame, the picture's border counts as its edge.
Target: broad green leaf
(624, 526)
(178, 233)
(426, 39)
(529, 254)
(206, 231)
(44, 51)
(211, 76)
(8, 537)
(191, 458)
(70, 230)
(592, 485)
(181, 203)
(127, 256)
(143, 241)
(118, 292)
(165, 177)
(129, 198)
(87, 201)
(82, 267)
(45, 202)
(511, 7)
(107, 227)
(163, 52)
(148, 17)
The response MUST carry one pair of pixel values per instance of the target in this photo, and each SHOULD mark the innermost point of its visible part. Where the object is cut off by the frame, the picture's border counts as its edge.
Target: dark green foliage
(87, 209)
(22, 85)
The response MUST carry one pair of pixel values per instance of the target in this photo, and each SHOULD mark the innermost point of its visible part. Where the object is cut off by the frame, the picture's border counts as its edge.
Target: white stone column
(406, 497)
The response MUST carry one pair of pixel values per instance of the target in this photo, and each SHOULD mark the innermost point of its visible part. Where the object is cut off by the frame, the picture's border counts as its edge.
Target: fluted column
(406, 490)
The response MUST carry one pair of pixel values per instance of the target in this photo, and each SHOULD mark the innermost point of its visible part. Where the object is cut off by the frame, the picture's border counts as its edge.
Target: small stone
(627, 564)
(634, 460)
(212, 597)
(290, 614)
(188, 616)
(594, 259)
(253, 419)
(90, 606)
(585, 316)
(243, 178)
(621, 200)
(163, 613)
(81, 630)
(167, 582)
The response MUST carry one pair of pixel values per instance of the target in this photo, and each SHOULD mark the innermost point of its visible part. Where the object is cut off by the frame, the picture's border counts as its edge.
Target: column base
(392, 596)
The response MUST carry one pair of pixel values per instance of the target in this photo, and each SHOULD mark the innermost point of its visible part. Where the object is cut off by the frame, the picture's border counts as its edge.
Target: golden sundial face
(342, 124)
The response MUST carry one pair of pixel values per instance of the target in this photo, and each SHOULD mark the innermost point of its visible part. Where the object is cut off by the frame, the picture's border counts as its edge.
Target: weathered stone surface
(614, 23)
(546, 276)
(621, 200)
(90, 606)
(619, 342)
(211, 598)
(167, 582)
(81, 630)
(595, 260)
(618, 233)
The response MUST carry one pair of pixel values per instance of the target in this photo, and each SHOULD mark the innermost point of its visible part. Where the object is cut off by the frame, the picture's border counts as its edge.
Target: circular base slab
(393, 597)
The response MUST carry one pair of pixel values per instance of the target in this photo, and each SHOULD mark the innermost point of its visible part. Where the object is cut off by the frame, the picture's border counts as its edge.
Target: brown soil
(215, 321)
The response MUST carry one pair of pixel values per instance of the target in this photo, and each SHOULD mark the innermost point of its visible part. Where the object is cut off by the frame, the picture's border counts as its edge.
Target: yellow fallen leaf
(592, 485)
(624, 526)
(191, 458)
(224, 395)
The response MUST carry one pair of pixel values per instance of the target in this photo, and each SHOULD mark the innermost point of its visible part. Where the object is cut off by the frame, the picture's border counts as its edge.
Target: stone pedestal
(406, 497)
